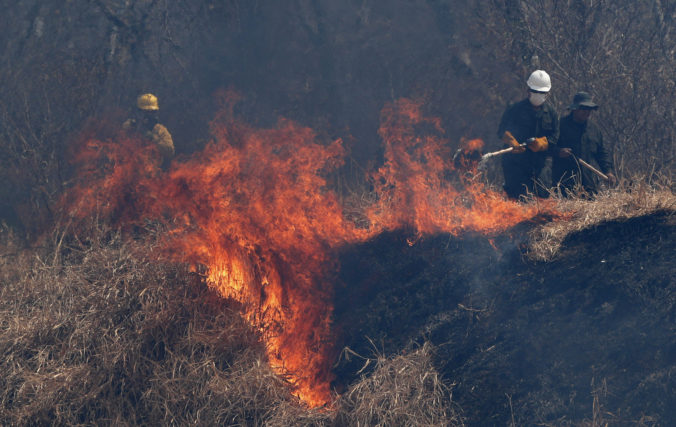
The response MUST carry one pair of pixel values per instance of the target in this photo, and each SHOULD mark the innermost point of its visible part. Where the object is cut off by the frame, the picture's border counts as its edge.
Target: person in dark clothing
(580, 139)
(529, 118)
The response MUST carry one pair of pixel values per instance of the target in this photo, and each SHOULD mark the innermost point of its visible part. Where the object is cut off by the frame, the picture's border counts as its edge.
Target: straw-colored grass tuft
(615, 204)
(404, 390)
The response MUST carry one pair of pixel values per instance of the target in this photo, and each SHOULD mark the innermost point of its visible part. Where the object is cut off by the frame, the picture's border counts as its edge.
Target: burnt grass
(587, 338)
(101, 331)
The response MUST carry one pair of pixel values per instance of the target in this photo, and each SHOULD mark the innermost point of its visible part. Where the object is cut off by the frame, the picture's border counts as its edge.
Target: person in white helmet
(532, 117)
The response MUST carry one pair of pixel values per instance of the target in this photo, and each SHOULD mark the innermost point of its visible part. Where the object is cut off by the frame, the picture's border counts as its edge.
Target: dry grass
(624, 202)
(405, 390)
(104, 334)
(98, 331)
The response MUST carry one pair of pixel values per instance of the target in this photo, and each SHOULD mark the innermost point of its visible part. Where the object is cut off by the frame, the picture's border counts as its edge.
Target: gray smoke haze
(329, 65)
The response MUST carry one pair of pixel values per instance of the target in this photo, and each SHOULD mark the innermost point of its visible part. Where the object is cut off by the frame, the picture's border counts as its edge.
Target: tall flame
(419, 185)
(254, 210)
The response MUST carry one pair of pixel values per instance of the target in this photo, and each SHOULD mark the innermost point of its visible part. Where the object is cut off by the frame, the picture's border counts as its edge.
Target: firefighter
(580, 139)
(146, 123)
(532, 117)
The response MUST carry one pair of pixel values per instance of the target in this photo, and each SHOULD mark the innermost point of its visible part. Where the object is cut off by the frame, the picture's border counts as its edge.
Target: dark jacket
(586, 142)
(524, 121)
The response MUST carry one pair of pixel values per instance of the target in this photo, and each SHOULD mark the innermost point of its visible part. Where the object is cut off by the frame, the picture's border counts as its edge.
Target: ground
(588, 336)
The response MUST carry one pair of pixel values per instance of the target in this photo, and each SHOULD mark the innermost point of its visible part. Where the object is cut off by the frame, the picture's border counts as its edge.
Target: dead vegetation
(400, 389)
(101, 331)
(621, 203)
(103, 334)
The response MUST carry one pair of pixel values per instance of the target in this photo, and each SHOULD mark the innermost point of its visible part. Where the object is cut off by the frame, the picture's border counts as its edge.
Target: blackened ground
(590, 336)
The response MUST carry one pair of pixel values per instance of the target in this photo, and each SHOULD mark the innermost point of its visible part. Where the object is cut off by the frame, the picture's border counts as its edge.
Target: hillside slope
(586, 337)
(96, 331)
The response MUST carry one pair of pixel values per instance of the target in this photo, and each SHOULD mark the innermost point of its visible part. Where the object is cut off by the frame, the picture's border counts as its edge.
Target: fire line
(254, 208)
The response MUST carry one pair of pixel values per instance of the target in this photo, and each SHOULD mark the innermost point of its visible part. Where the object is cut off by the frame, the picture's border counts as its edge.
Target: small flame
(254, 209)
(471, 145)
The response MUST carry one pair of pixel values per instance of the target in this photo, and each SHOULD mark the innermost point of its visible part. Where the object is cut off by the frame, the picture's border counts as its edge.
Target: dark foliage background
(329, 65)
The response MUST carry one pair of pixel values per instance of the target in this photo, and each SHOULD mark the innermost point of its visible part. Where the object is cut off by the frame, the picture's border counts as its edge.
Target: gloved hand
(565, 152)
(538, 144)
(509, 139)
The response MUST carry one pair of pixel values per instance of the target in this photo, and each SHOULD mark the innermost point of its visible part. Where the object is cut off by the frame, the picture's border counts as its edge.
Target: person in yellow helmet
(146, 123)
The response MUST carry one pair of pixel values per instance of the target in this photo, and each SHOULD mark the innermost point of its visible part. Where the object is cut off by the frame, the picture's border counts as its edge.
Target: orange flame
(415, 188)
(253, 208)
(469, 145)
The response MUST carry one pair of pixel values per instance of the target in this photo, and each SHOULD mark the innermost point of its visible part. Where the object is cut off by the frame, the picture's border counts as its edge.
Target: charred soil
(585, 338)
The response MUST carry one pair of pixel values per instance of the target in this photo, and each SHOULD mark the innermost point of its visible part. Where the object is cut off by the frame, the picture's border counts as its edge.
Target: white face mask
(537, 99)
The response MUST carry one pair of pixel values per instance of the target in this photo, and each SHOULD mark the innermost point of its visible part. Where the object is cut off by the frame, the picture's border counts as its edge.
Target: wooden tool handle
(593, 169)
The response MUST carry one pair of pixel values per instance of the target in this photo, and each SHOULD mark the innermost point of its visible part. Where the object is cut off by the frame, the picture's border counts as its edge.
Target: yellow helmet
(147, 101)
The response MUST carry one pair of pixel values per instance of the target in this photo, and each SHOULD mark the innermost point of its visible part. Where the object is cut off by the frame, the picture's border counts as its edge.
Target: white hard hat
(539, 81)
